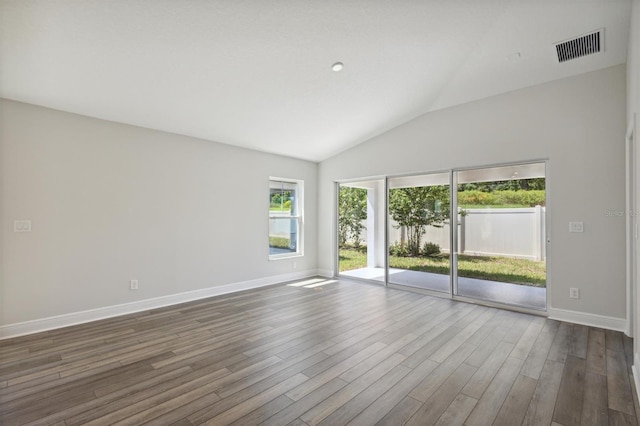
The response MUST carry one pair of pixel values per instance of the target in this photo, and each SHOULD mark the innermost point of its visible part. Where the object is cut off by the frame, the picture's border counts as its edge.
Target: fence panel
(501, 232)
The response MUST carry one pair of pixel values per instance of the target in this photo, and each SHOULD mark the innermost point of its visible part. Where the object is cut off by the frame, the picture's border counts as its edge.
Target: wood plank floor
(319, 352)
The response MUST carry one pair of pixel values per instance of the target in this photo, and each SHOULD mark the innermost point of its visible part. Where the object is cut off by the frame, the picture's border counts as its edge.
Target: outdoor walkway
(493, 291)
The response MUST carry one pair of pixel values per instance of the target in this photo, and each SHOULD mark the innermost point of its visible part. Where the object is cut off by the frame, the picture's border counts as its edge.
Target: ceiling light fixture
(338, 66)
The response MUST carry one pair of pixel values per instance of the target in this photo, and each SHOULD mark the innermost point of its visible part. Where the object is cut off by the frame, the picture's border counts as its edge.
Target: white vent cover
(587, 44)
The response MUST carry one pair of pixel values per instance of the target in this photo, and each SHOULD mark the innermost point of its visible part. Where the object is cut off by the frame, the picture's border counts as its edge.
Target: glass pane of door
(419, 241)
(361, 247)
(501, 235)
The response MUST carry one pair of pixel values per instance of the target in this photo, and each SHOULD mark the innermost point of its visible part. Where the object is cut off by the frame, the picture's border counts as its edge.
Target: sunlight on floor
(313, 283)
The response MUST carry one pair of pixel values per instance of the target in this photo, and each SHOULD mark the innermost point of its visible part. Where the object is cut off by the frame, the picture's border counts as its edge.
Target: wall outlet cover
(23, 225)
(576, 227)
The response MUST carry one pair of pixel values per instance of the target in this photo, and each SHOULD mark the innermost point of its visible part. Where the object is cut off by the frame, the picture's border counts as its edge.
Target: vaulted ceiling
(257, 73)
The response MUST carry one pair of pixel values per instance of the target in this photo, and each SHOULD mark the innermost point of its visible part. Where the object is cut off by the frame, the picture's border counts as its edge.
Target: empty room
(319, 212)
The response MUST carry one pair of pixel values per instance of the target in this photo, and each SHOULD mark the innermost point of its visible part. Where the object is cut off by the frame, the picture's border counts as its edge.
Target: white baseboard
(634, 370)
(593, 320)
(326, 273)
(65, 320)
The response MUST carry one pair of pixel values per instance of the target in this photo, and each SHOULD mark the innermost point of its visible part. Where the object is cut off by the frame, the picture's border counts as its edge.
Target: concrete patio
(492, 291)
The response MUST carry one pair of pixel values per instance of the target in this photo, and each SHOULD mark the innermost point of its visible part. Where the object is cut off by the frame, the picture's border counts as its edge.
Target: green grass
(352, 259)
(281, 242)
(494, 268)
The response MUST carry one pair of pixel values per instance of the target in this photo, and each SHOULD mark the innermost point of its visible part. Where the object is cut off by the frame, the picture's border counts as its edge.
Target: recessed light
(338, 66)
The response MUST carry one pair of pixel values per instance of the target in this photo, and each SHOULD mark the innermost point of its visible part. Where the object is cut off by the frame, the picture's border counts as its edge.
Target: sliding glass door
(419, 229)
(474, 233)
(500, 254)
(361, 212)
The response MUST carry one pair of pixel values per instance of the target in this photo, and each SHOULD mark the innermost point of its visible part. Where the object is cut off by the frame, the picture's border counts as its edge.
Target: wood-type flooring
(319, 352)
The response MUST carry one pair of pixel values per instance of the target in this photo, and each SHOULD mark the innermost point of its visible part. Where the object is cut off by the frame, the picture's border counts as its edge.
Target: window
(285, 218)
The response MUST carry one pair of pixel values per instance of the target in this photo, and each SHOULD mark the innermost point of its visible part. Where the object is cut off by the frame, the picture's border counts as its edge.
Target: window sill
(285, 256)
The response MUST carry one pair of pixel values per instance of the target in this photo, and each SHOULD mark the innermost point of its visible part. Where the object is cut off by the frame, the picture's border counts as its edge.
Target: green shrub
(397, 249)
(502, 198)
(475, 197)
(430, 249)
(352, 213)
(536, 198)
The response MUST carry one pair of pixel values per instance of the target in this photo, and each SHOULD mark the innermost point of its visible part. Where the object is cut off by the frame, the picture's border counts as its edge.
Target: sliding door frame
(336, 218)
(631, 212)
(386, 231)
(547, 238)
(453, 234)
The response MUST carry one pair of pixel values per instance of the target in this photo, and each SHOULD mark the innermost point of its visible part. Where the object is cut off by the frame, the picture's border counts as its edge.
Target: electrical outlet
(574, 293)
(23, 225)
(576, 227)
(133, 285)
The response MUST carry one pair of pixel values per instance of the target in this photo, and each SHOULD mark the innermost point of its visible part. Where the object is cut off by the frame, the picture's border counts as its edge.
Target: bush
(397, 249)
(475, 197)
(504, 197)
(430, 249)
(352, 213)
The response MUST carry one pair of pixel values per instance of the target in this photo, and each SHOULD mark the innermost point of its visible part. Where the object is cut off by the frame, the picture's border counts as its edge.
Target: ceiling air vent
(581, 46)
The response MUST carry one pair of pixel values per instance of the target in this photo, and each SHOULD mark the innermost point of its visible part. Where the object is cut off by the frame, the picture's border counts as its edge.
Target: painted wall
(577, 123)
(633, 63)
(111, 202)
(633, 110)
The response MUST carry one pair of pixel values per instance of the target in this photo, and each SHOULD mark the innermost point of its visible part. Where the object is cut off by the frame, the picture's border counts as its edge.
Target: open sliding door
(361, 245)
(419, 243)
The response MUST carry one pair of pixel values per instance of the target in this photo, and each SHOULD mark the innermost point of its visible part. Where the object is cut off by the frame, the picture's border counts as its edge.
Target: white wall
(577, 123)
(633, 110)
(111, 202)
(633, 63)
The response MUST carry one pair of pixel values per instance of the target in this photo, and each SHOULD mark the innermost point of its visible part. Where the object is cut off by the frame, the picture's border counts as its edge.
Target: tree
(503, 185)
(279, 199)
(352, 212)
(416, 208)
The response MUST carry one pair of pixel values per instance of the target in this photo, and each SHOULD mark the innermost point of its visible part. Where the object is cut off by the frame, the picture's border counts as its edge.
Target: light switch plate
(22, 225)
(576, 227)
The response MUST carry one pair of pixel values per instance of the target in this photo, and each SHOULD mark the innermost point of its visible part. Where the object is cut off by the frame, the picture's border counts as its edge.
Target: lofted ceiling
(257, 73)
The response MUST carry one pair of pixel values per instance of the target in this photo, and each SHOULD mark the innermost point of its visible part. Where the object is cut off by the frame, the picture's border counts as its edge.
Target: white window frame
(299, 216)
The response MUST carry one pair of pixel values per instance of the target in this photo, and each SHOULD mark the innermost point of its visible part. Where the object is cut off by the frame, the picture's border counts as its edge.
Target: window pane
(285, 218)
(283, 235)
(282, 201)
(282, 198)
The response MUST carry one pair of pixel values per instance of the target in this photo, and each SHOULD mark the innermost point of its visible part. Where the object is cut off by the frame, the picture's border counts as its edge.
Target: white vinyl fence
(516, 233)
